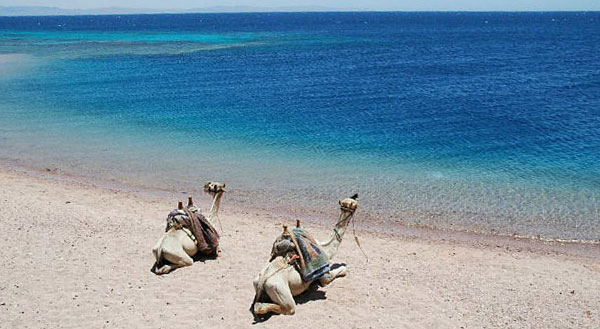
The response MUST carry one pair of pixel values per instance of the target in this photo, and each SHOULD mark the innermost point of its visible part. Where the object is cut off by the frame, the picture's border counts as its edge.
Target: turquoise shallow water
(485, 122)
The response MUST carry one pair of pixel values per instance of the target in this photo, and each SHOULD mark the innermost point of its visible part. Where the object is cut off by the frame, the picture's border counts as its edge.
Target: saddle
(300, 245)
(203, 233)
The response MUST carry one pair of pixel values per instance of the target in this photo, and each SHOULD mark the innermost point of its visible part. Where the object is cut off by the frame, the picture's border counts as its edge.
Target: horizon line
(299, 12)
(21, 11)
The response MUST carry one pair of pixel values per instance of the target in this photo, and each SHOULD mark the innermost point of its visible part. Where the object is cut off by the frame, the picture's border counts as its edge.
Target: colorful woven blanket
(314, 261)
(207, 238)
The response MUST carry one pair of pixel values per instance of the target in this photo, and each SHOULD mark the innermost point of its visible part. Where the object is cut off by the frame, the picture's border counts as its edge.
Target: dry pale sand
(79, 256)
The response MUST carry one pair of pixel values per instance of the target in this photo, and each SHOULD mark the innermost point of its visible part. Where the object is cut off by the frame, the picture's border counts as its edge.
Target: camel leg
(178, 258)
(156, 251)
(279, 291)
(265, 308)
(339, 272)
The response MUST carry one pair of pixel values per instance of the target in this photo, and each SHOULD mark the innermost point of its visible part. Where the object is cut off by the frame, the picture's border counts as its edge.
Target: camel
(281, 281)
(177, 246)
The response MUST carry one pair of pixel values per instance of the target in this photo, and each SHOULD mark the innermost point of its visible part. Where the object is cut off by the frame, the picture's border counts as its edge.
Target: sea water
(478, 121)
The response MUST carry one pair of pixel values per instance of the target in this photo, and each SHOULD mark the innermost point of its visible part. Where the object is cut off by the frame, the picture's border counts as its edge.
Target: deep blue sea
(478, 121)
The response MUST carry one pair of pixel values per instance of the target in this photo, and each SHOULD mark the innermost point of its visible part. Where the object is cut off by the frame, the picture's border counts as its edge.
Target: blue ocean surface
(472, 121)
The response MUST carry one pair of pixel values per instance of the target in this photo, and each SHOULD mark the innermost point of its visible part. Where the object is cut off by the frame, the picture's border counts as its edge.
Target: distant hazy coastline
(48, 11)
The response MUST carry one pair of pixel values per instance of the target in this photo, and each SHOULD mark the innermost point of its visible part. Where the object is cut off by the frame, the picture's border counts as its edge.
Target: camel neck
(214, 208)
(335, 239)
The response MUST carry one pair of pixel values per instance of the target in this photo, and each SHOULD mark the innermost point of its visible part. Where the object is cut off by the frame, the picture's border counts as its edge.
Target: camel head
(214, 187)
(349, 205)
(347, 208)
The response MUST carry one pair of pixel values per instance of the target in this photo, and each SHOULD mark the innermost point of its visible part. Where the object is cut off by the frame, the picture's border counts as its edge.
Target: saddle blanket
(207, 238)
(316, 262)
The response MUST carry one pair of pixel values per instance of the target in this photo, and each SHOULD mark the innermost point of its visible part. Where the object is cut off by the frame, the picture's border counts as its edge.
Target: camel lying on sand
(281, 280)
(178, 245)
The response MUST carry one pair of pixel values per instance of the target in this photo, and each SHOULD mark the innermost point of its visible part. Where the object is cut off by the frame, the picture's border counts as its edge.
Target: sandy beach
(76, 255)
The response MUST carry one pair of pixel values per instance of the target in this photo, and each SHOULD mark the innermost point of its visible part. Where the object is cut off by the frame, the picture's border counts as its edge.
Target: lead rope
(356, 238)
(220, 225)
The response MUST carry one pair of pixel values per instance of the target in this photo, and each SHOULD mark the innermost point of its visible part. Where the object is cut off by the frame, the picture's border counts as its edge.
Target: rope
(220, 225)
(356, 238)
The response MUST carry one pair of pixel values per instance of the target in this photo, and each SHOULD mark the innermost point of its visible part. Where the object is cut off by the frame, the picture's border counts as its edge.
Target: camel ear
(224, 185)
(190, 201)
(340, 202)
(180, 205)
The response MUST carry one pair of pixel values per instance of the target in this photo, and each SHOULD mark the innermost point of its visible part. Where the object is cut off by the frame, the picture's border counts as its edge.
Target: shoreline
(322, 218)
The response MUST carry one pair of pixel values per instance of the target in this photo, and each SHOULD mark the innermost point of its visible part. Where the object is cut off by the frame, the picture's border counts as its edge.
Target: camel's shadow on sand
(313, 293)
(198, 258)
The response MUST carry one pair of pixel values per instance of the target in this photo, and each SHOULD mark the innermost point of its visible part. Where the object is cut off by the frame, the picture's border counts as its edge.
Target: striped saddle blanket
(313, 260)
(207, 238)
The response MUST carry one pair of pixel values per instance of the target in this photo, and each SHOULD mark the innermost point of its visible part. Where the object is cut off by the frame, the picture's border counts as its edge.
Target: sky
(391, 5)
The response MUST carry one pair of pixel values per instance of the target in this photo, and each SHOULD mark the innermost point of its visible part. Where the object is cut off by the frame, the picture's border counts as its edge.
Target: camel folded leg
(339, 272)
(176, 261)
(283, 301)
(265, 308)
(177, 258)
